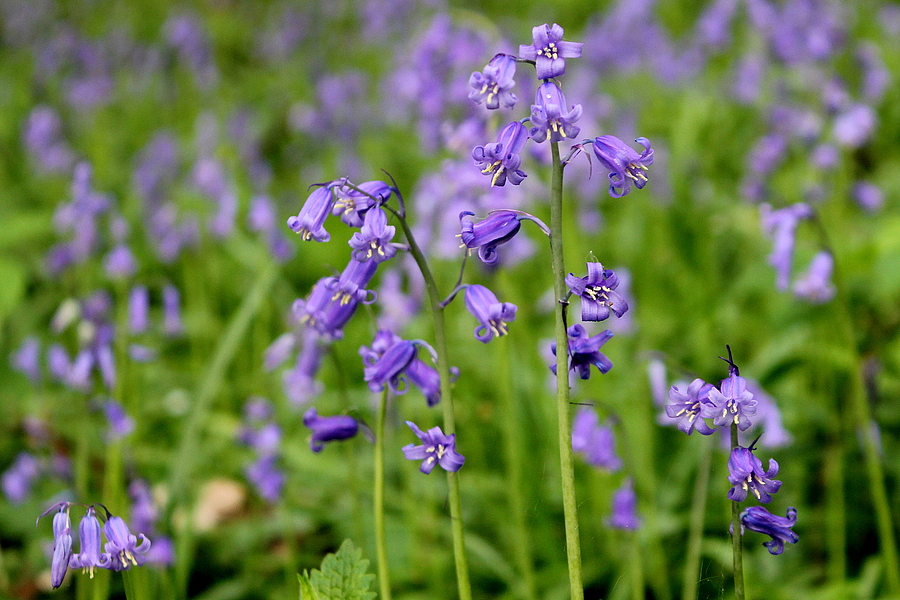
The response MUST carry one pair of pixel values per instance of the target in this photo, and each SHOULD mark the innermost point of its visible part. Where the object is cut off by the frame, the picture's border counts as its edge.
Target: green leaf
(307, 591)
(343, 576)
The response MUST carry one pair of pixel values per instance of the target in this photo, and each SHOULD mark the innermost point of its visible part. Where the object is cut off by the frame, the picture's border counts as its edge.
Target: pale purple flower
(597, 443)
(138, 309)
(688, 407)
(584, 351)
(90, 558)
(120, 424)
(746, 475)
(351, 205)
(144, 512)
(781, 226)
(328, 429)
(300, 384)
(501, 160)
(58, 362)
(815, 284)
(551, 115)
(868, 196)
(309, 223)
(373, 241)
(124, 548)
(494, 85)
(549, 51)
(27, 359)
(597, 293)
(62, 543)
(17, 480)
(733, 404)
(437, 449)
(266, 477)
(624, 508)
(760, 520)
(854, 126)
(490, 312)
(427, 379)
(172, 324)
(388, 369)
(120, 262)
(624, 164)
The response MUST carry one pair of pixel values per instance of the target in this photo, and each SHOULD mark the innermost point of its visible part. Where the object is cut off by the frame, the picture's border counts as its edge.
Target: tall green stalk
(570, 506)
(440, 345)
(384, 582)
(736, 547)
(698, 513)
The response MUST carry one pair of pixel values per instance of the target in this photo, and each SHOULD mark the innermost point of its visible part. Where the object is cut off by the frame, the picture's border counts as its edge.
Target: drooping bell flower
(549, 51)
(328, 429)
(624, 164)
(494, 85)
(501, 160)
(490, 312)
(597, 292)
(746, 475)
(760, 520)
(437, 449)
(550, 115)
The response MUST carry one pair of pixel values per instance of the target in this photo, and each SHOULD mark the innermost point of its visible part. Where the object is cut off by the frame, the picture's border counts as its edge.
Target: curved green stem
(440, 345)
(570, 506)
(736, 547)
(384, 581)
(698, 512)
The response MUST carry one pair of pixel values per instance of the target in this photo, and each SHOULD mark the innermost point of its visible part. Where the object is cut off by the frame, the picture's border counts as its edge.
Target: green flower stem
(384, 582)
(570, 506)
(736, 547)
(440, 345)
(136, 584)
(698, 514)
(636, 567)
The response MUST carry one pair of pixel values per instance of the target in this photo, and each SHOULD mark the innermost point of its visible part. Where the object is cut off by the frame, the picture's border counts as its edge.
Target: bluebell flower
(309, 224)
(493, 86)
(266, 477)
(62, 542)
(734, 403)
(388, 369)
(427, 379)
(815, 284)
(27, 359)
(597, 292)
(624, 508)
(584, 351)
(120, 424)
(549, 51)
(437, 449)
(373, 241)
(90, 557)
(746, 475)
(624, 164)
(172, 324)
(498, 228)
(352, 205)
(490, 312)
(550, 115)
(138, 309)
(17, 480)
(328, 429)
(760, 520)
(598, 444)
(781, 226)
(502, 159)
(124, 548)
(688, 407)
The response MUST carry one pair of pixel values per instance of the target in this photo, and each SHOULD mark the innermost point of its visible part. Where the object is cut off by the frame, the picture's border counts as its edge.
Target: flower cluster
(121, 551)
(261, 433)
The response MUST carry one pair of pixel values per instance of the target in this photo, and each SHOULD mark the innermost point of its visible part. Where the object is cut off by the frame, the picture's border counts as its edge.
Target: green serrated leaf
(307, 591)
(343, 575)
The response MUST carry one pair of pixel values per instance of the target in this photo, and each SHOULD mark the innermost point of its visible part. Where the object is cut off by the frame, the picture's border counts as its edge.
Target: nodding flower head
(328, 429)
(734, 403)
(373, 241)
(584, 351)
(90, 557)
(437, 449)
(687, 407)
(124, 548)
(389, 368)
(494, 85)
(624, 164)
(501, 160)
(549, 51)
(760, 520)
(597, 292)
(309, 224)
(352, 204)
(550, 115)
(62, 543)
(490, 312)
(498, 228)
(746, 475)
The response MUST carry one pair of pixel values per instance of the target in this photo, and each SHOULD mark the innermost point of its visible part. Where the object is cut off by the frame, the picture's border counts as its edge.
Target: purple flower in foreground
(493, 86)
(125, 549)
(426, 378)
(373, 241)
(490, 312)
(549, 51)
(746, 475)
(502, 158)
(328, 429)
(62, 543)
(309, 223)
(584, 351)
(548, 115)
(733, 404)
(815, 284)
(624, 164)
(624, 508)
(437, 448)
(687, 407)
(389, 368)
(90, 557)
(353, 204)
(597, 293)
(497, 228)
(598, 444)
(760, 520)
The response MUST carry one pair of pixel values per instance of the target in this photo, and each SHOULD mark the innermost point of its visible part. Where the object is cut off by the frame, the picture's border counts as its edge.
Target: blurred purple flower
(868, 195)
(138, 309)
(17, 480)
(624, 508)
(854, 126)
(172, 325)
(781, 226)
(266, 477)
(815, 284)
(120, 424)
(328, 429)
(584, 351)
(598, 444)
(27, 359)
(494, 85)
